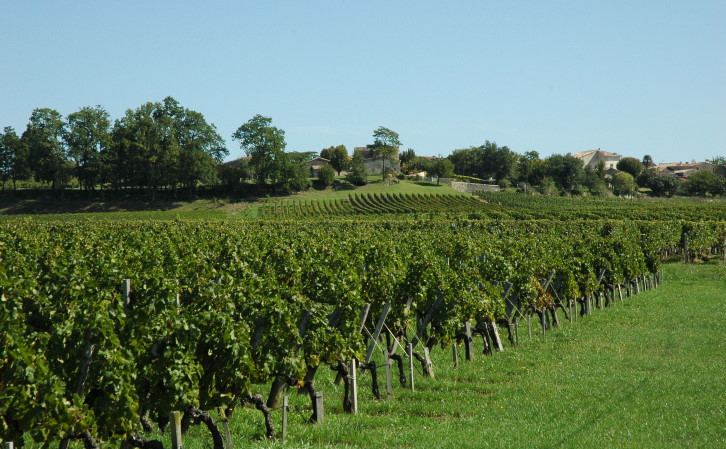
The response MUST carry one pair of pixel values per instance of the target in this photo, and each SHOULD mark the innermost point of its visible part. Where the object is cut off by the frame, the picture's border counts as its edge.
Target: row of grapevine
(371, 204)
(219, 311)
(507, 205)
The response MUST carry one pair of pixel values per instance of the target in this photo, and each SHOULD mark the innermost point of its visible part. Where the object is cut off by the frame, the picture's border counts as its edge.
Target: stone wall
(375, 166)
(470, 187)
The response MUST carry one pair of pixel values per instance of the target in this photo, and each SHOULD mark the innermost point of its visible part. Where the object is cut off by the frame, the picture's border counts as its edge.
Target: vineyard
(372, 204)
(516, 206)
(110, 328)
(491, 205)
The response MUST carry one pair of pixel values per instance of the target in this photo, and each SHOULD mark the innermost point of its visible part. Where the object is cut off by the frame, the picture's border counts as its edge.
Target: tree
(145, 147)
(719, 161)
(526, 167)
(496, 162)
(291, 174)
(648, 161)
(13, 158)
(624, 184)
(339, 158)
(384, 147)
(407, 155)
(46, 153)
(630, 165)
(705, 182)
(201, 148)
(418, 164)
(357, 175)
(486, 161)
(659, 185)
(464, 161)
(566, 171)
(441, 168)
(265, 144)
(326, 175)
(87, 137)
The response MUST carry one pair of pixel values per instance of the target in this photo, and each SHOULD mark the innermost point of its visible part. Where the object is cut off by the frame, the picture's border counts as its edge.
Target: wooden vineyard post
(8, 445)
(389, 388)
(685, 248)
(363, 316)
(354, 386)
(319, 409)
(176, 430)
(469, 343)
(410, 364)
(225, 424)
(529, 325)
(126, 293)
(495, 335)
(429, 364)
(572, 314)
(285, 410)
(377, 332)
(455, 355)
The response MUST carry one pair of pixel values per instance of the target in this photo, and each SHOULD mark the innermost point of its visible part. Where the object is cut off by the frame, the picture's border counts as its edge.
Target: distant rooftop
(582, 154)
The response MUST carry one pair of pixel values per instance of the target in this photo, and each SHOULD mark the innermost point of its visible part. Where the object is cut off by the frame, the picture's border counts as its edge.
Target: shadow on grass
(427, 184)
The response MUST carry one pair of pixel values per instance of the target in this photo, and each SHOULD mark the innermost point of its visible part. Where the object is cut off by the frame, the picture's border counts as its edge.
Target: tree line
(162, 145)
(157, 145)
(562, 173)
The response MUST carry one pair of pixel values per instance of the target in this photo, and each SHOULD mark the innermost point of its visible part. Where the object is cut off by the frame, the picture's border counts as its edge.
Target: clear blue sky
(631, 77)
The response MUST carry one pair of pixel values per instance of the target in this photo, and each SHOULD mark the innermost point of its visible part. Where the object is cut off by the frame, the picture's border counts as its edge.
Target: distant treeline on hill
(164, 146)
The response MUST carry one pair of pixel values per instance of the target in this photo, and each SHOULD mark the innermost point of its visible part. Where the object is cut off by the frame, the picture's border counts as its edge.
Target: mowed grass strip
(646, 373)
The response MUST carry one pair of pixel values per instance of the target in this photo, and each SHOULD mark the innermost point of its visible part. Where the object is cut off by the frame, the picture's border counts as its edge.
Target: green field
(646, 373)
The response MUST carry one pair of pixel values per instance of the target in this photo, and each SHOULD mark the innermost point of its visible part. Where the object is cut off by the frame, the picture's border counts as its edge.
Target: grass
(646, 373)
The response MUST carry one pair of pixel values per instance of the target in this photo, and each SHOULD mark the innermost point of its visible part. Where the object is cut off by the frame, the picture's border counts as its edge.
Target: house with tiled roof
(681, 170)
(592, 158)
(315, 164)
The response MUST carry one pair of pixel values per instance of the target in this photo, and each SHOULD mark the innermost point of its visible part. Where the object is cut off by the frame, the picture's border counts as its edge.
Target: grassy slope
(649, 372)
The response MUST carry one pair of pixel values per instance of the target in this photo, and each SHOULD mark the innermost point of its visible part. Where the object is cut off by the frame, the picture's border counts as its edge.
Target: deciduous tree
(264, 143)
(441, 168)
(630, 165)
(87, 137)
(13, 158)
(46, 152)
(338, 157)
(385, 145)
(357, 175)
(624, 184)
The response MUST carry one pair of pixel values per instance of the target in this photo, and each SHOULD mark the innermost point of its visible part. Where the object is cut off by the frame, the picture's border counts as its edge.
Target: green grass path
(646, 373)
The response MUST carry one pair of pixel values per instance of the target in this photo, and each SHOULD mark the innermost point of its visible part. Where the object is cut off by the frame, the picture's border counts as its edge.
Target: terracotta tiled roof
(585, 153)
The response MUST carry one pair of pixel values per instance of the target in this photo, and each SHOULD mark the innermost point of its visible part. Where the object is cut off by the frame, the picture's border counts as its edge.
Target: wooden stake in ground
(319, 410)
(354, 386)
(285, 410)
(176, 430)
(126, 293)
(410, 364)
(389, 388)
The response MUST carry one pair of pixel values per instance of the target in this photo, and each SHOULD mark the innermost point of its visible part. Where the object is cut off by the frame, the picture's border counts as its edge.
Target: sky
(629, 77)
